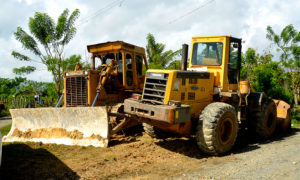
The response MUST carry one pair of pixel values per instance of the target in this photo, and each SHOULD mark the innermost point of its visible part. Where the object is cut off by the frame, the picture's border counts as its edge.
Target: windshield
(207, 54)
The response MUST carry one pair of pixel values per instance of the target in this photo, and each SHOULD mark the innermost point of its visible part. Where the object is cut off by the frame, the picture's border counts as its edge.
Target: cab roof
(114, 46)
(218, 36)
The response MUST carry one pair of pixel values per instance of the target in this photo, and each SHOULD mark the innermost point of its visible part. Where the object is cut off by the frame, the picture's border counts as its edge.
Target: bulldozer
(92, 100)
(206, 99)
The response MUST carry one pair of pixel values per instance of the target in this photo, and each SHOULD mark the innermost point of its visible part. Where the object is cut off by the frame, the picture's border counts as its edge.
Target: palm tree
(49, 36)
(156, 55)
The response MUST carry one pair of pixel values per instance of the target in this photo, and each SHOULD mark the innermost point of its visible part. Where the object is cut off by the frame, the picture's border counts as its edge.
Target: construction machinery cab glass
(207, 54)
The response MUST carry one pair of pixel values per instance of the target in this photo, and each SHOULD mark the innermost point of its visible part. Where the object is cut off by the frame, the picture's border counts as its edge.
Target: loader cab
(220, 55)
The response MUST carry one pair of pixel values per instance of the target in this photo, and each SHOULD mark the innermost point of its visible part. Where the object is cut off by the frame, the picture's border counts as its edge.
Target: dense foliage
(288, 44)
(20, 90)
(266, 75)
(279, 78)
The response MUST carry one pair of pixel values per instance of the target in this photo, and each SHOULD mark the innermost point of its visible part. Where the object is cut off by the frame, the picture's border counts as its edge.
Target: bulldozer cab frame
(129, 58)
(118, 75)
(220, 55)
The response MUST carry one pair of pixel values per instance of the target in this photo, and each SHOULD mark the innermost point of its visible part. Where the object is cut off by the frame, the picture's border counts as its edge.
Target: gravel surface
(278, 158)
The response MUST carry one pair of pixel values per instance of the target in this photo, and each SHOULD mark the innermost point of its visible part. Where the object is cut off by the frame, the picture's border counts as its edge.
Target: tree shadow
(245, 142)
(19, 161)
(185, 146)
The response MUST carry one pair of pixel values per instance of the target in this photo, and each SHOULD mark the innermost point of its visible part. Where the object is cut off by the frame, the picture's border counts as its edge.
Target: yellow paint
(219, 71)
(111, 47)
(93, 76)
(204, 88)
(202, 98)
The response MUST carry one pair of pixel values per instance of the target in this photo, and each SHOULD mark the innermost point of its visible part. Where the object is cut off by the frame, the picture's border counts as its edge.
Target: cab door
(139, 59)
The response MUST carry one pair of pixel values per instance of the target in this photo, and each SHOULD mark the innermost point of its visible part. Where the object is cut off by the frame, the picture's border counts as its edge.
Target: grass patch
(296, 117)
(4, 131)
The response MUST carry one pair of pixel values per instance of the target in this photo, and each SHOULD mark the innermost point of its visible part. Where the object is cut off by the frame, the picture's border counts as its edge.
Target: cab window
(120, 67)
(139, 64)
(128, 61)
(207, 54)
(119, 62)
(233, 63)
(129, 74)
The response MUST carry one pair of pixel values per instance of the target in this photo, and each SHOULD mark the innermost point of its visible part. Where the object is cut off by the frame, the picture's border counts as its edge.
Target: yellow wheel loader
(93, 100)
(206, 100)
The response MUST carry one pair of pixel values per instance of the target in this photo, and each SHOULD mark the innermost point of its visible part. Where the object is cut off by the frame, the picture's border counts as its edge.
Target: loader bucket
(81, 126)
(283, 115)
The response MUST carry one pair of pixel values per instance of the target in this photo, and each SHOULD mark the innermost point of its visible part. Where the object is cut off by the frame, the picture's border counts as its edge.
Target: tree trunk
(296, 94)
(57, 87)
(295, 87)
(296, 99)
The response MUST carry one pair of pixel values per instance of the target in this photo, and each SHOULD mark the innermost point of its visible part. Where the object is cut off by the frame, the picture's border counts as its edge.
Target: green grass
(296, 118)
(4, 131)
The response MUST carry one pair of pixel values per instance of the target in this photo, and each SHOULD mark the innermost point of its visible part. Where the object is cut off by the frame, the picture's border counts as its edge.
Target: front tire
(217, 128)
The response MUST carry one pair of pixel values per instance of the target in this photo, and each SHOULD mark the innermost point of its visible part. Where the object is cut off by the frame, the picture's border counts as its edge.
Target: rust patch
(52, 133)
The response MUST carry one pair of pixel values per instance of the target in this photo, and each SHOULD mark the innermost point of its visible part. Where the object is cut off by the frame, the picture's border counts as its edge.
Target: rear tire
(266, 119)
(217, 128)
(155, 132)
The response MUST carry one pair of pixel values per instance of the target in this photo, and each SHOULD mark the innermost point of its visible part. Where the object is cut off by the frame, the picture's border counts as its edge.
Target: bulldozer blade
(81, 126)
(283, 115)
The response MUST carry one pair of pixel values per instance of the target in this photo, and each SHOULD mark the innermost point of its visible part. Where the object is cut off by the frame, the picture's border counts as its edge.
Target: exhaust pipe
(93, 63)
(184, 57)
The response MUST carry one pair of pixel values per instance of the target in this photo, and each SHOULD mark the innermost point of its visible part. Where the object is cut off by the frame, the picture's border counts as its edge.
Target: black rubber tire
(266, 119)
(217, 128)
(155, 132)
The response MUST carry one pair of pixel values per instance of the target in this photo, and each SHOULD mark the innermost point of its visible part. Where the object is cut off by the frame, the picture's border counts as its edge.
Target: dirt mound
(52, 133)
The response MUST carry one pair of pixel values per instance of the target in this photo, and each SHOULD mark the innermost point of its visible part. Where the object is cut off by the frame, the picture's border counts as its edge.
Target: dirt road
(4, 121)
(278, 158)
(139, 157)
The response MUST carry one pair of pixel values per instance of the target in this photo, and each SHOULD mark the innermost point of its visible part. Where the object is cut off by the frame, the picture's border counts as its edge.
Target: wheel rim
(226, 131)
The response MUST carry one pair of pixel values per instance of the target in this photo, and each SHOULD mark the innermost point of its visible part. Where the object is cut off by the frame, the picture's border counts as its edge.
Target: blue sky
(173, 22)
